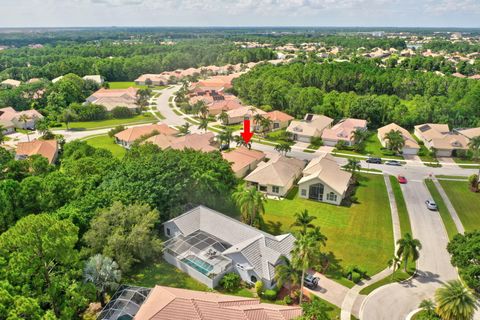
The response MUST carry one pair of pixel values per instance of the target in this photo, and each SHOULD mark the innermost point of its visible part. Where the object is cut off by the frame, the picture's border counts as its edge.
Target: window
(304, 192)
(168, 231)
(263, 188)
(332, 196)
(276, 125)
(253, 279)
(275, 189)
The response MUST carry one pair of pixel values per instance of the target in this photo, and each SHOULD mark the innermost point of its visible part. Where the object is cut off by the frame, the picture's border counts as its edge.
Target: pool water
(198, 264)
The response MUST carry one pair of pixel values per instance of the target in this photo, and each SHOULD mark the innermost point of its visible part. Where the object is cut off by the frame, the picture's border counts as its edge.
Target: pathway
(451, 209)
(328, 290)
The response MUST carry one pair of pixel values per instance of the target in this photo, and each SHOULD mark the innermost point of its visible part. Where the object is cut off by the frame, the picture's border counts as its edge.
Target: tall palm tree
(428, 306)
(201, 108)
(359, 135)
(258, 118)
(25, 118)
(474, 145)
(226, 136)
(394, 264)
(353, 165)
(305, 253)
(408, 247)
(250, 201)
(283, 147)
(285, 272)
(185, 129)
(396, 141)
(203, 123)
(223, 117)
(104, 273)
(303, 220)
(2, 134)
(318, 236)
(266, 124)
(455, 301)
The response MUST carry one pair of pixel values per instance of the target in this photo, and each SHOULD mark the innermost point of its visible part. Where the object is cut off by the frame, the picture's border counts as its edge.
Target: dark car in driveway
(310, 281)
(374, 160)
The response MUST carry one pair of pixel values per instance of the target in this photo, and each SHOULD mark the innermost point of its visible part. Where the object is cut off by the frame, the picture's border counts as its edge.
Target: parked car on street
(393, 163)
(310, 281)
(401, 179)
(431, 205)
(374, 160)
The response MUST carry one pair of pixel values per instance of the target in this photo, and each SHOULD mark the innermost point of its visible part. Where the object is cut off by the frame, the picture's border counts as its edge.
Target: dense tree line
(119, 61)
(449, 46)
(362, 90)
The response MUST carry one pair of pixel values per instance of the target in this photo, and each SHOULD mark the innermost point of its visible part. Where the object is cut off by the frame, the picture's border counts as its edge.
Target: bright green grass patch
(105, 142)
(401, 206)
(358, 235)
(467, 161)
(178, 113)
(128, 84)
(441, 176)
(313, 146)
(442, 209)
(373, 147)
(234, 127)
(309, 151)
(146, 117)
(465, 202)
(398, 275)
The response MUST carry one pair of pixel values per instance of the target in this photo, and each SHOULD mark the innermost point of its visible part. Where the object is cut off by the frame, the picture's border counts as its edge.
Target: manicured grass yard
(146, 117)
(126, 84)
(442, 209)
(401, 206)
(105, 142)
(373, 147)
(465, 202)
(358, 235)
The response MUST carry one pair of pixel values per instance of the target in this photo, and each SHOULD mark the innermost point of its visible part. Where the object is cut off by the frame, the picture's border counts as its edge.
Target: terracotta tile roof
(279, 116)
(410, 141)
(11, 114)
(440, 137)
(224, 105)
(276, 172)
(195, 141)
(470, 133)
(102, 93)
(46, 148)
(312, 127)
(344, 129)
(181, 304)
(242, 157)
(133, 133)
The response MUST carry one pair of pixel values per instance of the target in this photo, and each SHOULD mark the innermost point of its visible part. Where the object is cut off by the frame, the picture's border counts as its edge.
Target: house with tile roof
(182, 304)
(312, 126)
(128, 136)
(323, 180)
(343, 131)
(411, 146)
(8, 126)
(277, 176)
(9, 114)
(440, 138)
(240, 113)
(112, 98)
(11, 83)
(469, 133)
(202, 244)
(45, 148)
(279, 120)
(243, 160)
(204, 142)
(98, 79)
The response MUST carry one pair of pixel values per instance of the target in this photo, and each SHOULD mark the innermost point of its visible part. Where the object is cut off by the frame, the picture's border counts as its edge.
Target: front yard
(465, 202)
(373, 147)
(105, 142)
(127, 84)
(358, 235)
(146, 117)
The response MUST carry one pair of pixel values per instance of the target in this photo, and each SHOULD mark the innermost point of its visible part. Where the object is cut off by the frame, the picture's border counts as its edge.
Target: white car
(431, 205)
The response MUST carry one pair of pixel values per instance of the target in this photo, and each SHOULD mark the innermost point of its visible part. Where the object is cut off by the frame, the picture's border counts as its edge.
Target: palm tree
(283, 147)
(266, 124)
(353, 165)
(2, 134)
(394, 264)
(203, 123)
(474, 145)
(226, 136)
(185, 129)
(42, 126)
(250, 201)
(303, 220)
(455, 301)
(201, 108)
(428, 306)
(258, 119)
(67, 116)
(408, 248)
(285, 273)
(223, 117)
(318, 236)
(104, 273)
(359, 135)
(396, 141)
(24, 118)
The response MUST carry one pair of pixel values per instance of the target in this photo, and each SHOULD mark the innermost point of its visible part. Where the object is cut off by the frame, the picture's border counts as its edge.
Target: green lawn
(105, 142)
(397, 276)
(462, 163)
(465, 202)
(442, 209)
(358, 235)
(127, 84)
(373, 147)
(91, 125)
(401, 206)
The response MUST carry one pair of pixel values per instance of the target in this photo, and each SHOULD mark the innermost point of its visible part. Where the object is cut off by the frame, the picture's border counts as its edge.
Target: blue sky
(67, 13)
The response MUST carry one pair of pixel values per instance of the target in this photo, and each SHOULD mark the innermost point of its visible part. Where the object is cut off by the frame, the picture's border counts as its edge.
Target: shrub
(287, 300)
(316, 141)
(115, 130)
(356, 277)
(89, 111)
(122, 113)
(259, 287)
(341, 145)
(270, 294)
(230, 281)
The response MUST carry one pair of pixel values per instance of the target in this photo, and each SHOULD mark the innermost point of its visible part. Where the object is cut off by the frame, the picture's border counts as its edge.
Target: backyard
(465, 202)
(105, 142)
(358, 235)
(146, 117)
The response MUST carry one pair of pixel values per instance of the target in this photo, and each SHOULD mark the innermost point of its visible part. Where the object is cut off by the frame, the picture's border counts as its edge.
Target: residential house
(57, 79)
(201, 142)
(469, 133)
(227, 104)
(11, 115)
(46, 148)
(324, 180)
(312, 126)
(279, 120)
(112, 98)
(128, 136)
(7, 126)
(11, 83)
(243, 160)
(98, 79)
(238, 114)
(34, 80)
(277, 176)
(439, 137)
(216, 83)
(152, 80)
(343, 131)
(411, 146)
(207, 244)
(182, 304)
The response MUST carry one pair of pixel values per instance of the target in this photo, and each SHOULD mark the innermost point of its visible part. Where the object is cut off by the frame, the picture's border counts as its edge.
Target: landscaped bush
(230, 281)
(270, 294)
(356, 277)
(259, 287)
(115, 130)
(287, 300)
(316, 141)
(122, 113)
(89, 112)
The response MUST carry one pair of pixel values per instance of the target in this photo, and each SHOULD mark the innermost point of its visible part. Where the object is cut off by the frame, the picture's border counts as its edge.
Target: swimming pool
(198, 264)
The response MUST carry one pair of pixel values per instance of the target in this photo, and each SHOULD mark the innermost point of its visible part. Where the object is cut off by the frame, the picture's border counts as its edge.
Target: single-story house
(411, 146)
(98, 79)
(243, 160)
(201, 142)
(207, 244)
(228, 103)
(152, 79)
(439, 137)
(279, 120)
(112, 98)
(8, 126)
(182, 304)
(469, 133)
(343, 131)
(312, 126)
(277, 176)
(128, 136)
(46, 148)
(11, 83)
(216, 83)
(10, 114)
(324, 180)
(241, 113)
